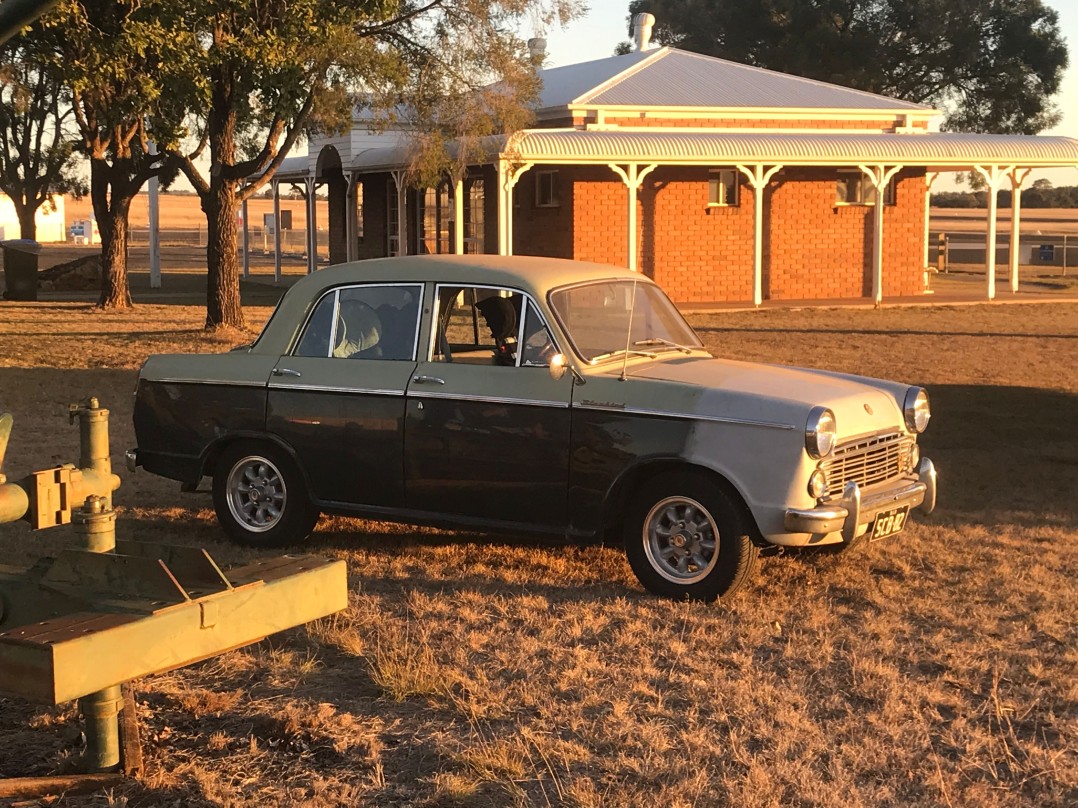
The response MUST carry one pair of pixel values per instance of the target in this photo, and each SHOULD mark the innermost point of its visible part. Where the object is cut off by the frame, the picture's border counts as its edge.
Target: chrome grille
(867, 461)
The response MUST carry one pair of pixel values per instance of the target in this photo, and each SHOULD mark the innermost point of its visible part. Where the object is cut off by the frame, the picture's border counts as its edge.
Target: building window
(722, 190)
(474, 206)
(854, 188)
(435, 220)
(393, 223)
(546, 189)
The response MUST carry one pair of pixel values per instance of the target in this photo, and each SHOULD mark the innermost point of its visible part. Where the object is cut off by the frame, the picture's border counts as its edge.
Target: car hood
(780, 393)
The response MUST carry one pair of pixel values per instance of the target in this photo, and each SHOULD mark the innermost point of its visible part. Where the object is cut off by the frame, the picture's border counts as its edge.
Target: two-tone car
(531, 395)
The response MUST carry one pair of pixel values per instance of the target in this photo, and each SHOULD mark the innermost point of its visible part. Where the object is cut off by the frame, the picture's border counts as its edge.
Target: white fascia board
(830, 162)
(747, 113)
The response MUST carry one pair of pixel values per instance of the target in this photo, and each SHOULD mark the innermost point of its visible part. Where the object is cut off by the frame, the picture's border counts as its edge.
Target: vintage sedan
(538, 395)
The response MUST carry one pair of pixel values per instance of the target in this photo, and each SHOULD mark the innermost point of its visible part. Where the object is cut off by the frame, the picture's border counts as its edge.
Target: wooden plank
(130, 740)
(25, 788)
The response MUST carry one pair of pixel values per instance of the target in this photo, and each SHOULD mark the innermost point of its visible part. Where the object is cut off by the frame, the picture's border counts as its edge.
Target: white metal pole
(155, 228)
(632, 183)
(276, 231)
(990, 252)
(501, 207)
(246, 241)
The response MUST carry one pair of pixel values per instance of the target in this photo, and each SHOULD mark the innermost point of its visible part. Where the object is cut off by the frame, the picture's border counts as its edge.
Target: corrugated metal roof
(669, 77)
(932, 149)
(292, 168)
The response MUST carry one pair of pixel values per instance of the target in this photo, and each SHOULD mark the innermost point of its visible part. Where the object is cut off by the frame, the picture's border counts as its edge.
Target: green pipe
(101, 712)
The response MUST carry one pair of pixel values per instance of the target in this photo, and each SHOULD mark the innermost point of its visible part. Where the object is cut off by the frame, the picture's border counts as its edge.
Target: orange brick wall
(812, 248)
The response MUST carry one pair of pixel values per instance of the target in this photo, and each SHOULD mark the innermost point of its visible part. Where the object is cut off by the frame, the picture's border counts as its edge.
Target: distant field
(182, 211)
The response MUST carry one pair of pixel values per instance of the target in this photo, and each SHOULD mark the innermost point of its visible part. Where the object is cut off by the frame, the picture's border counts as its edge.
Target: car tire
(260, 496)
(687, 539)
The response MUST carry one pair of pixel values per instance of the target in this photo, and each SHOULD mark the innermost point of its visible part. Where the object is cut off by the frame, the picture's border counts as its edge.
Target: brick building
(721, 181)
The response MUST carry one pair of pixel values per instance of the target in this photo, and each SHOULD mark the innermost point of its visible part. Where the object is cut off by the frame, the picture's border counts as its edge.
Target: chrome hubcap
(256, 494)
(680, 540)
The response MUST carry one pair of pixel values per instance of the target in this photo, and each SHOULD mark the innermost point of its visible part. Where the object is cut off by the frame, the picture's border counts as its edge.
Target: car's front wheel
(260, 497)
(686, 539)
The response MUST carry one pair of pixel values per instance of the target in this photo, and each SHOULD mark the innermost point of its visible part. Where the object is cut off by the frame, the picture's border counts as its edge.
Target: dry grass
(937, 669)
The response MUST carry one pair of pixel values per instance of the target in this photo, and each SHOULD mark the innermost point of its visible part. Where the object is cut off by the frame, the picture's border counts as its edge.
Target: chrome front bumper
(854, 509)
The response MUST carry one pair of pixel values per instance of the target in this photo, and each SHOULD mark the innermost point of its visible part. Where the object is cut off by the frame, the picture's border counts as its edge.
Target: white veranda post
(508, 175)
(879, 176)
(350, 252)
(458, 216)
(930, 180)
(402, 212)
(758, 177)
(993, 177)
(1017, 177)
(633, 179)
(246, 239)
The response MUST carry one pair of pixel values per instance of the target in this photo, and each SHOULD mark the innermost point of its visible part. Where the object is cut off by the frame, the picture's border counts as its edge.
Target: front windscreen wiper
(665, 343)
(620, 352)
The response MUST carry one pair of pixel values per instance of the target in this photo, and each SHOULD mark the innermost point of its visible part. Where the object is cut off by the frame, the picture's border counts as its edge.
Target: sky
(596, 35)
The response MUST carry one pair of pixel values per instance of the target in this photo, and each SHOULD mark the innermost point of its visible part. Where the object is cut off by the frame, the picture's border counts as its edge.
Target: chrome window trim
(529, 402)
(684, 416)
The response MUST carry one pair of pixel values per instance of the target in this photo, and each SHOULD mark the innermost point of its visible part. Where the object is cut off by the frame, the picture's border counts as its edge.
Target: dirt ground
(934, 669)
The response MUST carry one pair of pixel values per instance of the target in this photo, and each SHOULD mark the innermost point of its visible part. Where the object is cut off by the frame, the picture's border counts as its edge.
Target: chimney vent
(642, 25)
(537, 49)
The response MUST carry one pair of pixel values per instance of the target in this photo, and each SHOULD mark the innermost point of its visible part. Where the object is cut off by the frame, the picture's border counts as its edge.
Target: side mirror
(557, 366)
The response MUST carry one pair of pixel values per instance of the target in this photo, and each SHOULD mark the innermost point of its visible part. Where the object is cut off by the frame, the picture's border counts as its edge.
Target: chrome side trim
(713, 418)
(219, 382)
(528, 402)
(318, 388)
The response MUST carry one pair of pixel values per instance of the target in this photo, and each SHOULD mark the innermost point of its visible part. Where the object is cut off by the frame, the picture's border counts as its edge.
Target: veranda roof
(935, 151)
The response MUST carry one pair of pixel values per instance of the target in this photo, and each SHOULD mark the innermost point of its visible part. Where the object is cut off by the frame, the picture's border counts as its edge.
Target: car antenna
(628, 333)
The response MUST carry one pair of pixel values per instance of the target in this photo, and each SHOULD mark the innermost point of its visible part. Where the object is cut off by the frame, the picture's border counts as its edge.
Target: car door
(487, 428)
(338, 399)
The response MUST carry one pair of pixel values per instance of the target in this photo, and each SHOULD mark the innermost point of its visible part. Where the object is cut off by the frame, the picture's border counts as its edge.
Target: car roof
(535, 274)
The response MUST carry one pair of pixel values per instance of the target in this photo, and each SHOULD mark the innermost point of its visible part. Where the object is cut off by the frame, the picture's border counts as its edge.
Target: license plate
(888, 523)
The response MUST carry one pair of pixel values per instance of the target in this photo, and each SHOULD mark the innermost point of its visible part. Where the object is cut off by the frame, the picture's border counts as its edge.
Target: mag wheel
(260, 497)
(686, 539)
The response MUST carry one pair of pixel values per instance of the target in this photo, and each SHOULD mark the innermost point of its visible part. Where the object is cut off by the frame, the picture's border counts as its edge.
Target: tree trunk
(111, 211)
(223, 282)
(27, 222)
(115, 293)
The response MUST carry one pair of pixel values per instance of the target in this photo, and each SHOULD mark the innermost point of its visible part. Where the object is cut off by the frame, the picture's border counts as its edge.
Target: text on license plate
(888, 523)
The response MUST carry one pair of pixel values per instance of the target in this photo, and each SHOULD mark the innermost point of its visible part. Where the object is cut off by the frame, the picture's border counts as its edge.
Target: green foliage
(36, 152)
(991, 66)
(1038, 196)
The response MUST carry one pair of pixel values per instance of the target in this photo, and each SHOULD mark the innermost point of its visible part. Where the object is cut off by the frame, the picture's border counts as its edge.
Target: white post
(350, 218)
(1017, 177)
(458, 216)
(633, 179)
(402, 212)
(155, 227)
(276, 230)
(879, 176)
(993, 176)
(246, 241)
(758, 177)
(930, 180)
(502, 167)
(308, 184)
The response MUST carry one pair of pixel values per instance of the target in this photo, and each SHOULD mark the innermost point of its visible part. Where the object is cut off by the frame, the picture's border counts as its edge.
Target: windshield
(596, 317)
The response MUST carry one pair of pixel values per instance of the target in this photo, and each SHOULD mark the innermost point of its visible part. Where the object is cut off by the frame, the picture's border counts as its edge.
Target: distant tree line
(1041, 195)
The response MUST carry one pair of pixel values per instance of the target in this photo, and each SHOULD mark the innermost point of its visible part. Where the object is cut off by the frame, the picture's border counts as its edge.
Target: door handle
(286, 372)
(427, 380)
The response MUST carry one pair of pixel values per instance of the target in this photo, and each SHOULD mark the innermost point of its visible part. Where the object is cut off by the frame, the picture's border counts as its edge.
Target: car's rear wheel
(685, 538)
(260, 497)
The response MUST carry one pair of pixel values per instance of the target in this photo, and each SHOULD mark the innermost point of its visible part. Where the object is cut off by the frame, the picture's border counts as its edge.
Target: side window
(477, 326)
(364, 322)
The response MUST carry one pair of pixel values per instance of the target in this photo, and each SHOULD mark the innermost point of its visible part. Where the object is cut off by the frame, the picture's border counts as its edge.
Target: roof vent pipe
(537, 49)
(642, 25)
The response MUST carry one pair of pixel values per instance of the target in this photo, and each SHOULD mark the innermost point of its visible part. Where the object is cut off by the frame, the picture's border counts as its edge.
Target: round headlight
(817, 486)
(916, 409)
(820, 432)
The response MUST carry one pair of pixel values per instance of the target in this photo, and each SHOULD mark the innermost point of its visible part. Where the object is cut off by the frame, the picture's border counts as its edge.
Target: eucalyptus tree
(37, 160)
(123, 63)
(991, 66)
(272, 72)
